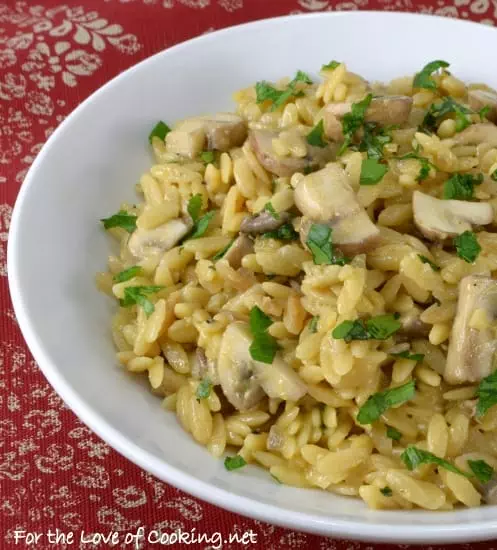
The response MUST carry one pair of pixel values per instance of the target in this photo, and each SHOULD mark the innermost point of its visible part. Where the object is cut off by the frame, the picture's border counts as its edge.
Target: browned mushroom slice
(263, 222)
(479, 99)
(244, 381)
(221, 131)
(386, 110)
(412, 326)
(475, 134)
(262, 143)
(489, 492)
(439, 219)
(159, 239)
(242, 246)
(473, 341)
(327, 197)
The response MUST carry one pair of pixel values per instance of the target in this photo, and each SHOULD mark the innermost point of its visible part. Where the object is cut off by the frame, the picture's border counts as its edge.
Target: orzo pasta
(310, 282)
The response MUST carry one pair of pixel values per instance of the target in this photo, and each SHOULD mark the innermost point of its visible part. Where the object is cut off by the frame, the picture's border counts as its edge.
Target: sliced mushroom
(479, 99)
(221, 132)
(160, 239)
(412, 326)
(242, 246)
(263, 222)
(439, 219)
(262, 143)
(489, 491)
(327, 197)
(475, 134)
(471, 351)
(386, 110)
(245, 381)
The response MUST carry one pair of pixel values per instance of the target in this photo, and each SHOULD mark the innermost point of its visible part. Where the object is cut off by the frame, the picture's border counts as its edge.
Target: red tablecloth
(54, 472)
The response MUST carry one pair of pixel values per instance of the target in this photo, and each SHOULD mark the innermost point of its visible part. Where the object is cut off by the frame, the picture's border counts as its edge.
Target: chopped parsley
(160, 130)
(200, 224)
(424, 78)
(138, 295)
(266, 92)
(386, 491)
(413, 457)
(127, 274)
(374, 139)
(223, 251)
(447, 107)
(379, 402)
(483, 112)
(461, 186)
(352, 121)
(426, 165)
(121, 219)
(467, 246)
(487, 394)
(331, 66)
(194, 206)
(313, 325)
(380, 327)
(207, 157)
(493, 175)
(234, 462)
(411, 356)
(320, 244)
(203, 389)
(268, 207)
(316, 136)
(285, 232)
(372, 172)
(482, 471)
(393, 433)
(426, 260)
(264, 346)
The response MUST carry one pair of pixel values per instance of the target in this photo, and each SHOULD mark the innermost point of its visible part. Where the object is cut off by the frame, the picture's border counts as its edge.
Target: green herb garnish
(354, 120)
(467, 246)
(138, 295)
(393, 433)
(414, 457)
(160, 130)
(424, 78)
(313, 325)
(194, 206)
(448, 106)
(374, 139)
(482, 471)
(493, 175)
(207, 157)
(386, 491)
(316, 136)
(203, 389)
(223, 251)
(201, 225)
(380, 327)
(412, 356)
(320, 244)
(268, 207)
(121, 219)
(483, 112)
(331, 66)
(266, 92)
(285, 232)
(426, 165)
(264, 346)
(127, 274)
(487, 394)
(461, 186)
(234, 462)
(372, 172)
(426, 260)
(378, 403)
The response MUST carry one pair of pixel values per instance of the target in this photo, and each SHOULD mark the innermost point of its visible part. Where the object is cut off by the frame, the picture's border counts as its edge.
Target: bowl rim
(377, 531)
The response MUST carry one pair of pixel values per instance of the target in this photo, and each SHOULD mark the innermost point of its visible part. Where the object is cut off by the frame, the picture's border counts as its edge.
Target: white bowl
(90, 164)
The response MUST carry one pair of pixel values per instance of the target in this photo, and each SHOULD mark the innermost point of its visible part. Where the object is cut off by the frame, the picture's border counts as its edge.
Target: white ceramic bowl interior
(90, 165)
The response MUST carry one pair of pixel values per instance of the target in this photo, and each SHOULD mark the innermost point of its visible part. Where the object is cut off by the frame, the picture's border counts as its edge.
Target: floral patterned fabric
(54, 472)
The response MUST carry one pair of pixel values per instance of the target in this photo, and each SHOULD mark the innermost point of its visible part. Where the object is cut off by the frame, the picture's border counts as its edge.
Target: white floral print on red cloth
(54, 472)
